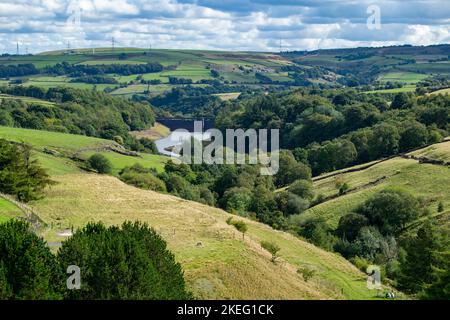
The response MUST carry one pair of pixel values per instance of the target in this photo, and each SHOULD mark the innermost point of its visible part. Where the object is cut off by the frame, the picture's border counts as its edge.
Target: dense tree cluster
(328, 130)
(95, 79)
(78, 70)
(76, 111)
(28, 270)
(130, 262)
(377, 233)
(19, 70)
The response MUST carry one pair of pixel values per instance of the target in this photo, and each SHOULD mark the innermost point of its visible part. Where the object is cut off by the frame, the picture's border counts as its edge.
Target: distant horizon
(222, 50)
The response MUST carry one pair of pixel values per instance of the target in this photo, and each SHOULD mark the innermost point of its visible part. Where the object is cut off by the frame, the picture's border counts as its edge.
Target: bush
(28, 270)
(344, 188)
(350, 225)
(307, 273)
(237, 200)
(303, 189)
(131, 262)
(361, 263)
(272, 247)
(143, 178)
(291, 204)
(241, 226)
(100, 163)
(318, 233)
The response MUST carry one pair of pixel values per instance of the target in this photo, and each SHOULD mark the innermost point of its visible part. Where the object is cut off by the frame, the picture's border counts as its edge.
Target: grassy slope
(442, 91)
(403, 77)
(156, 132)
(223, 266)
(8, 210)
(68, 144)
(42, 139)
(423, 180)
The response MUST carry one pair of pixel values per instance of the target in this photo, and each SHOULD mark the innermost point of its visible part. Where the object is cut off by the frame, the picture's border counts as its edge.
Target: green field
(8, 210)
(428, 68)
(67, 145)
(395, 65)
(402, 77)
(27, 100)
(60, 141)
(187, 64)
(427, 181)
(405, 88)
(119, 161)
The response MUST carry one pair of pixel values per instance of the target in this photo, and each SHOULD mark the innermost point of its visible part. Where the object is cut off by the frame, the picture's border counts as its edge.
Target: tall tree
(131, 262)
(28, 270)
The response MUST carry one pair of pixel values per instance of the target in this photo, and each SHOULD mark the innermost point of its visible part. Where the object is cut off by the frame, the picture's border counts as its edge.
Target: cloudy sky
(253, 25)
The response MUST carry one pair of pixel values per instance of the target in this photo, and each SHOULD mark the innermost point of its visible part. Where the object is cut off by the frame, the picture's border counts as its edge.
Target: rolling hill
(425, 173)
(218, 262)
(405, 65)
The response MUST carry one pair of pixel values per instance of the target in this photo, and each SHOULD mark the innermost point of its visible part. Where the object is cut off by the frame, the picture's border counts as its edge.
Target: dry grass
(439, 151)
(156, 132)
(228, 96)
(223, 266)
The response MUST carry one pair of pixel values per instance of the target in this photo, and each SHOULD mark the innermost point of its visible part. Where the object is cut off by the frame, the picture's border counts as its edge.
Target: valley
(85, 138)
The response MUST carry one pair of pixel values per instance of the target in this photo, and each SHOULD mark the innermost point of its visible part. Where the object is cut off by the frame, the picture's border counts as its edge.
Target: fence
(30, 214)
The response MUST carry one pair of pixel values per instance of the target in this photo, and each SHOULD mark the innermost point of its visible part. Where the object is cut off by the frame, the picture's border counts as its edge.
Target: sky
(237, 25)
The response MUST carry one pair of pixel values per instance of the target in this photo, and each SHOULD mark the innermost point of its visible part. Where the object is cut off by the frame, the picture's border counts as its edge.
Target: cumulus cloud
(219, 24)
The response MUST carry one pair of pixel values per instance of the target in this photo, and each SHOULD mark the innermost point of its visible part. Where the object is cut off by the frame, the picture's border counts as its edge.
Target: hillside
(57, 151)
(410, 172)
(218, 264)
(196, 67)
(388, 69)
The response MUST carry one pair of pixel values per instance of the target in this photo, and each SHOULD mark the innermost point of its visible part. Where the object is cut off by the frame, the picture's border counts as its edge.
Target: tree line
(19, 70)
(84, 112)
(330, 130)
(78, 70)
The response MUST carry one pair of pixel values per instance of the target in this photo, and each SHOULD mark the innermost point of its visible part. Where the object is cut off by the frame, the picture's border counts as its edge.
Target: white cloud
(223, 24)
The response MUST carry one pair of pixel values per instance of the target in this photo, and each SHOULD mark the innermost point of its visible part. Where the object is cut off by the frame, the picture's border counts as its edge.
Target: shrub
(307, 273)
(290, 203)
(350, 225)
(100, 163)
(360, 263)
(272, 247)
(141, 177)
(303, 189)
(237, 200)
(344, 188)
(241, 226)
